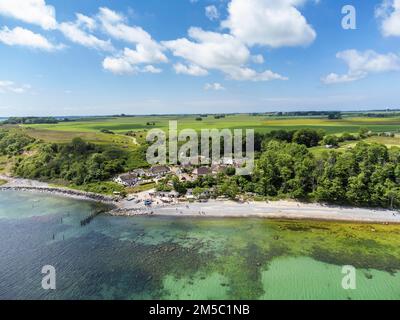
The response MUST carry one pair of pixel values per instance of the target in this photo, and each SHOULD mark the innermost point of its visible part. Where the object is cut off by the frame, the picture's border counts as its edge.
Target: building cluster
(186, 172)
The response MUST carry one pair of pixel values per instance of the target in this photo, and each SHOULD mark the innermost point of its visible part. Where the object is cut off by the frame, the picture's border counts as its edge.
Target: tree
(364, 132)
(285, 168)
(179, 186)
(197, 192)
(334, 116)
(308, 137)
(393, 195)
(228, 189)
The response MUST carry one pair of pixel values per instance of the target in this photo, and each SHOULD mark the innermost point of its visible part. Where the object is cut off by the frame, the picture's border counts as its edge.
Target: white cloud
(258, 59)
(88, 22)
(212, 12)
(334, 78)
(147, 50)
(360, 64)
(30, 11)
(214, 86)
(191, 70)
(10, 86)
(223, 52)
(389, 13)
(269, 22)
(121, 66)
(76, 32)
(247, 74)
(151, 69)
(118, 66)
(24, 37)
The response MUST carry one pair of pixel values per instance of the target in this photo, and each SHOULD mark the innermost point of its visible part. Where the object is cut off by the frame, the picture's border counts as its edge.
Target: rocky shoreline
(215, 208)
(76, 194)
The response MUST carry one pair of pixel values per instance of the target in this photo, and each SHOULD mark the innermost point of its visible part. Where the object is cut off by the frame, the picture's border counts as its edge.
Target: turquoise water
(187, 258)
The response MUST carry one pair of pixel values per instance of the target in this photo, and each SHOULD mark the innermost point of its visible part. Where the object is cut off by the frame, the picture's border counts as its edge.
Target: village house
(202, 171)
(127, 179)
(140, 172)
(158, 171)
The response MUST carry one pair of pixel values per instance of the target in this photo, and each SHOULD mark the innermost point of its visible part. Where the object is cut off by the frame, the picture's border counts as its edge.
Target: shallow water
(187, 258)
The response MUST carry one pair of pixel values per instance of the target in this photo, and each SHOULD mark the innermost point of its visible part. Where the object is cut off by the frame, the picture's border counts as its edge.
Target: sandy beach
(216, 208)
(270, 210)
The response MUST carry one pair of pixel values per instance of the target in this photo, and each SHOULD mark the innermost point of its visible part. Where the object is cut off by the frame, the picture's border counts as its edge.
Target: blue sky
(188, 56)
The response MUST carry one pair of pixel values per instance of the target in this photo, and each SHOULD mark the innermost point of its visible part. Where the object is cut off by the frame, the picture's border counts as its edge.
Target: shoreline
(284, 209)
(26, 185)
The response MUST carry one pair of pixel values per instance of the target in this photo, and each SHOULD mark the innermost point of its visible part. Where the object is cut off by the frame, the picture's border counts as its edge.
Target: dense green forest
(365, 175)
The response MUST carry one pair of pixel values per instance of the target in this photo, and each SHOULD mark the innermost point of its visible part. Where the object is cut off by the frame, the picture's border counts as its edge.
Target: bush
(331, 141)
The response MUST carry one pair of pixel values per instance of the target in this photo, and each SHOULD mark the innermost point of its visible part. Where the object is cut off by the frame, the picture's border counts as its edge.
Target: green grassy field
(90, 129)
(259, 123)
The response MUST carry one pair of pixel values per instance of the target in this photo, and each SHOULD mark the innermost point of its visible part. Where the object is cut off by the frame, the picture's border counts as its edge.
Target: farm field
(259, 123)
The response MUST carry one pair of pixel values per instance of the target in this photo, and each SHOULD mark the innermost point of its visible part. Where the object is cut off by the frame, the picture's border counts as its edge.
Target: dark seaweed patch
(358, 259)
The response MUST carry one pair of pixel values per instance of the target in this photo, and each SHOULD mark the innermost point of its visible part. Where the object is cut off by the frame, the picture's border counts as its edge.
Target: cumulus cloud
(118, 65)
(30, 11)
(191, 70)
(214, 86)
(389, 13)
(360, 64)
(77, 32)
(212, 12)
(121, 66)
(216, 51)
(269, 22)
(147, 50)
(26, 38)
(10, 86)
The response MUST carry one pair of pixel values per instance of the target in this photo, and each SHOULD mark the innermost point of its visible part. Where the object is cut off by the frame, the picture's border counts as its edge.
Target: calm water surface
(187, 258)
